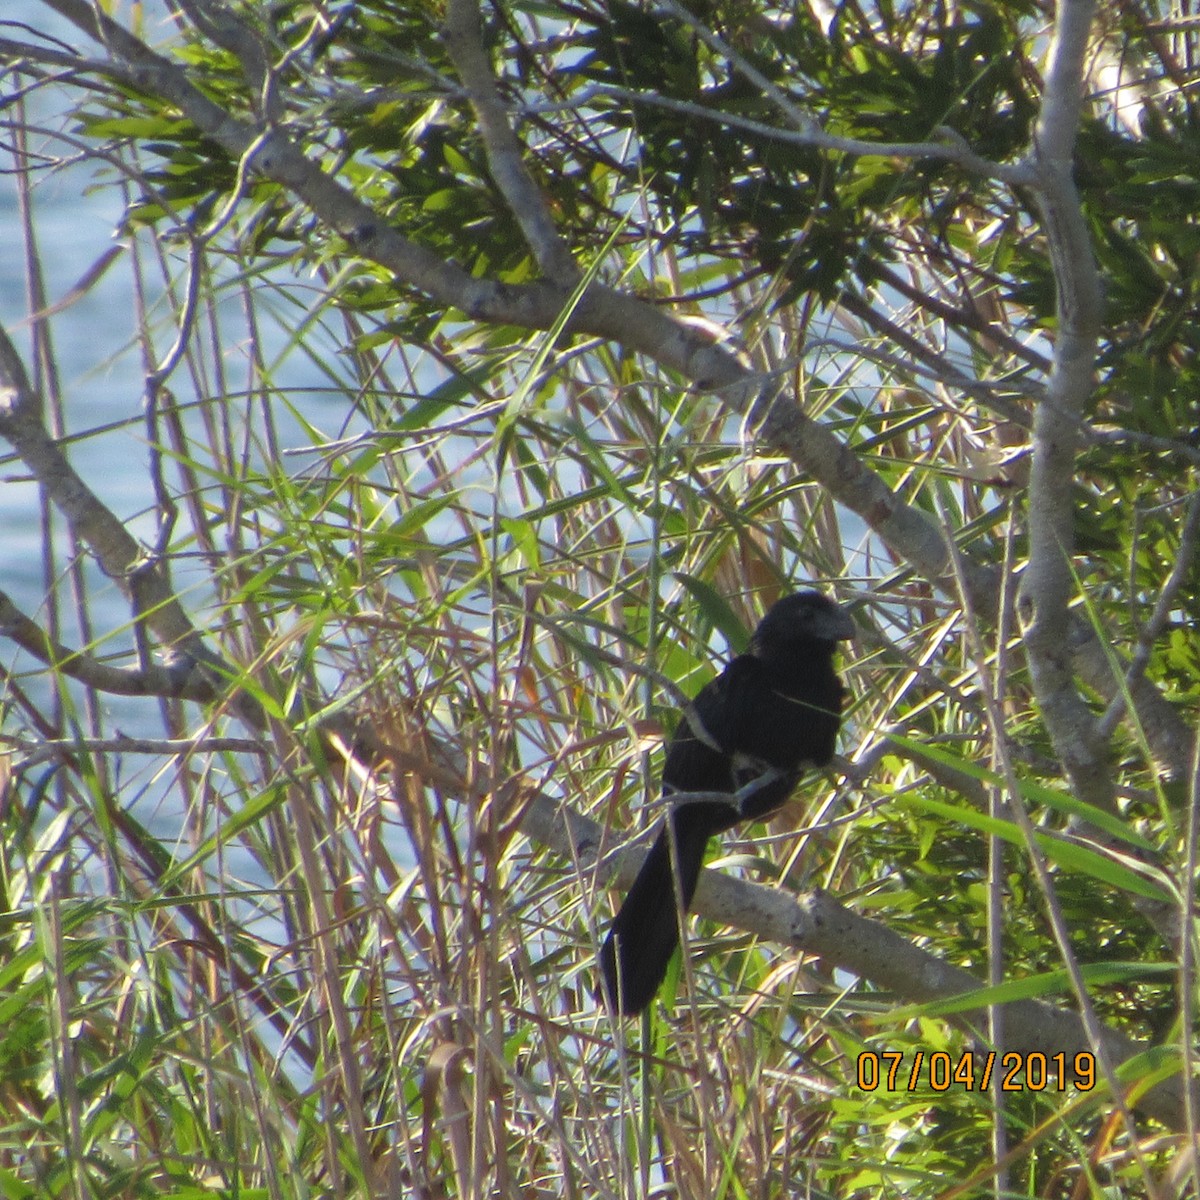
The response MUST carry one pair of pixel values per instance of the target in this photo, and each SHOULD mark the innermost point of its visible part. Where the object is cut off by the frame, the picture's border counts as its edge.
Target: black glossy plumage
(776, 708)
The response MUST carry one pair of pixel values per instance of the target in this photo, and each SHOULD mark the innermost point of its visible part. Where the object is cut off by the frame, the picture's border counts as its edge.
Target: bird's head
(802, 617)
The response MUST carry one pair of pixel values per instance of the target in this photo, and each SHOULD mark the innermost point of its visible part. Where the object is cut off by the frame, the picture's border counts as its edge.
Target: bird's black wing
(762, 732)
(718, 727)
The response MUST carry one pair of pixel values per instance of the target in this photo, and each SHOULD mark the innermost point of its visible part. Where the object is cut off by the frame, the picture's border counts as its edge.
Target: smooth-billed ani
(749, 733)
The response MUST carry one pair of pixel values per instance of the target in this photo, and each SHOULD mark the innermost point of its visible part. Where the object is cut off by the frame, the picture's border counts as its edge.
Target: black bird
(749, 734)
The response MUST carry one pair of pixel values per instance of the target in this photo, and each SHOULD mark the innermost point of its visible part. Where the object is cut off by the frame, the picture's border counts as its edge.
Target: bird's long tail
(644, 934)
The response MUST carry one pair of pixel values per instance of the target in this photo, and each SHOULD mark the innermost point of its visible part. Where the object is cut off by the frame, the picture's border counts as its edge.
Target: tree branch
(166, 682)
(506, 161)
(1048, 583)
(143, 578)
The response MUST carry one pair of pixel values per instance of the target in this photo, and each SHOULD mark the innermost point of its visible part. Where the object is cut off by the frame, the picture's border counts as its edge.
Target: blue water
(77, 219)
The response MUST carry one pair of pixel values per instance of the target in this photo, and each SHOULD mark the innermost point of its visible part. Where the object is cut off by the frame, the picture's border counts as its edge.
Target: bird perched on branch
(748, 735)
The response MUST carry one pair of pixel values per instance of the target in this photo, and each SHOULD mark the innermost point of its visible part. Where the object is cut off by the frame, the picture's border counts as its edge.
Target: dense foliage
(489, 378)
